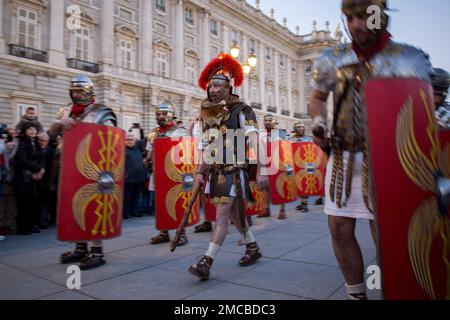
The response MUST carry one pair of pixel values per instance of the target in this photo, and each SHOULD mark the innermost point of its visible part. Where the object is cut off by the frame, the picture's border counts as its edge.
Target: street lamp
(252, 60)
(234, 50)
(246, 68)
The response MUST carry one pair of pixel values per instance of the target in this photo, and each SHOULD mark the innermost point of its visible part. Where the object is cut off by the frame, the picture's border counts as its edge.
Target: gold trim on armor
(221, 200)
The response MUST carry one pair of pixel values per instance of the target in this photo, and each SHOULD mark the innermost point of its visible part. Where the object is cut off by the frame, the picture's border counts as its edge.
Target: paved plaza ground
(298, 264)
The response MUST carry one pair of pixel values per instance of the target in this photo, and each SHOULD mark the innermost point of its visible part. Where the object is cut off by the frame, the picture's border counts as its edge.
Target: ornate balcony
(28, 53)
(255, 105)
(83, 65)
(271, 109)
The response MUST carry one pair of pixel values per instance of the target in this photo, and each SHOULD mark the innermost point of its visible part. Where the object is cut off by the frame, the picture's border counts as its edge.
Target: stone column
(2, 37)
(107, 33)
(178, 38)
(277, 80)
(153, 102)
(226, 39)
(289, 86)
(303, 104)
(185, 109)
(204, 39)
(146, 35)
(262, 76)
(56, 54)
(246, 85)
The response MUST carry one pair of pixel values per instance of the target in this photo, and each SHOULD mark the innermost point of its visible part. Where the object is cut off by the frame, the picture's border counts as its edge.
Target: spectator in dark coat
(8, 210)
(29, 117)
(135, 174)
(29, 171)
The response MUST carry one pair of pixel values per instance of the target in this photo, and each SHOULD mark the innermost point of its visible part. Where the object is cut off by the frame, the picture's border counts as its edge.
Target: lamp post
(250, 64)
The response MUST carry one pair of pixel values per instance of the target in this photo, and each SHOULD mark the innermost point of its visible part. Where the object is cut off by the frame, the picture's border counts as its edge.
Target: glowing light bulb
(252, 60)
(235, 51)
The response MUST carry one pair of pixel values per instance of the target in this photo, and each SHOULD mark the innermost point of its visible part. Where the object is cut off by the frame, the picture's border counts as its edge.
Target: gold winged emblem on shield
(104, 189)
(429, 172)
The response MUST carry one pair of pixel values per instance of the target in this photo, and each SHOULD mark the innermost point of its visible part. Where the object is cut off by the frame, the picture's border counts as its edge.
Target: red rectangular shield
(90, 197)
(257, 207)
(282, 183)
(310, 168)
(174, 181)
(209, 208)
(405, 152)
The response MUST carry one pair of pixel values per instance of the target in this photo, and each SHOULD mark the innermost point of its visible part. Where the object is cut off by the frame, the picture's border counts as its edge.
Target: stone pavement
(298, 264)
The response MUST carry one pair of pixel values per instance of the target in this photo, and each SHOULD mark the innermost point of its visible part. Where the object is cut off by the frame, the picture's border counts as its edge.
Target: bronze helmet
(83, 83)
(166, 106)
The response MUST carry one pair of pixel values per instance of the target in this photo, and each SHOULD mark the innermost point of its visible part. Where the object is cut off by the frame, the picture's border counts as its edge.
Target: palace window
(123, 13)
(189, 16)
(191, 71)
(27, 28)
(126, 54)
(161, 5)
(82, 43)
(161, 64)
(214, 27)
(268, 54)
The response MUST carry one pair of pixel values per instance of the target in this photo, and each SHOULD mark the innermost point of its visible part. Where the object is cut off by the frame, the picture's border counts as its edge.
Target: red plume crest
(223, 62)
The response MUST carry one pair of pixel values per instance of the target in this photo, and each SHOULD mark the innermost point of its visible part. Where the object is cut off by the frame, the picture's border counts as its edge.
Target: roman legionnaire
(224, 115)
(441, 82)
(345, 71)
(167, 128)
(271, 135)
(299, 135)
(84, 110)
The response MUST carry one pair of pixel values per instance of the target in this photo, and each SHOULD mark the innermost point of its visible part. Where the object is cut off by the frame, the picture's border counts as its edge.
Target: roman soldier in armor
(345, 70)
(228, 164)
(272, 134)
(167, 128)
(84, 109)
(299, 135)
(441, 82)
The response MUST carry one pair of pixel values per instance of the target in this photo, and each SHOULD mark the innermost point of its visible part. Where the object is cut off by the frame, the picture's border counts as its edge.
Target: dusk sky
(425, 24)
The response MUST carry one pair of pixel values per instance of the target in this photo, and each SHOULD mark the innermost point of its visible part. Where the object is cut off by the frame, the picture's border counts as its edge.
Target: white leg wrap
(355, 291)
(247, 237)
(213, 250)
